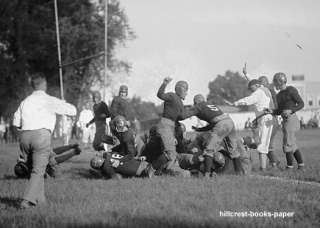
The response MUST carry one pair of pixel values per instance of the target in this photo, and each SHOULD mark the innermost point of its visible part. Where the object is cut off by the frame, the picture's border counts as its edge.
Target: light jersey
(259, 99)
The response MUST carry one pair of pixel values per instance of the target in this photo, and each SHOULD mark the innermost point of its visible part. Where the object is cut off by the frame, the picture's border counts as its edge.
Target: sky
(197, 40)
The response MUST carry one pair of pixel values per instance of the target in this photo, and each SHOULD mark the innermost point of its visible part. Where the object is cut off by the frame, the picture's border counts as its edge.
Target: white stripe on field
(292, 181)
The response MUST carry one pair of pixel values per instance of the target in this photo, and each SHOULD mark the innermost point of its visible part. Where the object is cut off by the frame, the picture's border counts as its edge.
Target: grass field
(80, 199)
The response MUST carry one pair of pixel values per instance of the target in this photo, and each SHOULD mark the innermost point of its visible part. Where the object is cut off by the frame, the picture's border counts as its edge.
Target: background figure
(120, 106)
(101, 113)
(2, 130)
(67, 124)
(36, 118)
(87, 132)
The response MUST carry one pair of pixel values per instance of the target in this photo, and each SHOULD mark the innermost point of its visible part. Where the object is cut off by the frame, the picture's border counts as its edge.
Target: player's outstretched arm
(161, 92)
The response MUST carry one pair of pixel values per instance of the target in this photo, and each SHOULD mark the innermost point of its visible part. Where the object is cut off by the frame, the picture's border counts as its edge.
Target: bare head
(280, 80)
(253, 85)
(181, 89)
(199, 98)
(264, 81)
(96, 97)
(39, 82)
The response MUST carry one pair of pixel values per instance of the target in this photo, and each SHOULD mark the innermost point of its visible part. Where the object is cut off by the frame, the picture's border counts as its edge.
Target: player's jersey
(289, 98)
(173, 107)
(100, 109)
(121, 106)
(120, 164)
(204, 111)
(127, 143)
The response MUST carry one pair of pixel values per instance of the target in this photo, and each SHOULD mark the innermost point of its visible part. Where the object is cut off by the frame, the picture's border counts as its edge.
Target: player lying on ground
(121, 159)
(194, 157)
(58, 155)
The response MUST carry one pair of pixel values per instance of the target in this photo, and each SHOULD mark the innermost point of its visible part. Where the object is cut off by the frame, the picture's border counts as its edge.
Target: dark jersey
(127, 144)
(173, 107)
(115, 162)
(101, 112)
(121, 106)
(289, 98)
(204, 111)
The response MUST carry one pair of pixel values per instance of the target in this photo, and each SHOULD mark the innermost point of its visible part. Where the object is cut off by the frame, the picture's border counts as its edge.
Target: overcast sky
(197, 40)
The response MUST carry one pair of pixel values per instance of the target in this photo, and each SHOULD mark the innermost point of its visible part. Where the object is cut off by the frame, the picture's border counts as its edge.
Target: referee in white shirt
(261, 101)
(36, 117)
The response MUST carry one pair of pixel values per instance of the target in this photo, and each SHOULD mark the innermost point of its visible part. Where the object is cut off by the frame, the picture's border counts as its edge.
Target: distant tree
(227, 88)
(28, 45)
(144, 110)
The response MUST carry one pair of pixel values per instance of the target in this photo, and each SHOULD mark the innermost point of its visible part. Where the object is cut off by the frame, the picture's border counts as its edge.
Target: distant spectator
(2, 130)
(302, 123)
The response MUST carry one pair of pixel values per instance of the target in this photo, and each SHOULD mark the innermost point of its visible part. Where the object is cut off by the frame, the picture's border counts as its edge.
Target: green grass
(78, 199)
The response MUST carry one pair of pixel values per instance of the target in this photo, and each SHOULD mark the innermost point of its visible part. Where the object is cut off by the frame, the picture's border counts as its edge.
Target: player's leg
(265, 126)
(292, 126)
(40, 142)
(236, 148)
(166, 131)
(273, 160)
(100, 132)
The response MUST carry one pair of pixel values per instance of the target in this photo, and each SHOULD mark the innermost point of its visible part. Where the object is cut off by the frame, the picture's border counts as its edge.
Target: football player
(101, 113)
(120, 106)
(58, 155)
(289, 102)
(220, 125)
(172, 112)
(114, 165)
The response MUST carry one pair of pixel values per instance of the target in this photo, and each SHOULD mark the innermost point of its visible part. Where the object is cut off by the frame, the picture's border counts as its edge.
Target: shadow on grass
(10, 201)
(85, 173)
(9, 177)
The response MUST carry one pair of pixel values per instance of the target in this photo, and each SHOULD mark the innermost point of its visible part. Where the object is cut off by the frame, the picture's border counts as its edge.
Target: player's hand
(201, 158)
(286, 113)
(267, 111)
(244, 69)
(142, 158)
(167, 80)
(194, 150)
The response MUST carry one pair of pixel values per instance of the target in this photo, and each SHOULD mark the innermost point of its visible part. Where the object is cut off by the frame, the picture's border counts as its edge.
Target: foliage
(28, 44)
(227, 88)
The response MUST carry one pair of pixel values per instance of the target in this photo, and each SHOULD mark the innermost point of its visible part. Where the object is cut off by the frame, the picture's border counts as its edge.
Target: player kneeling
(112, 164)
(58, 155)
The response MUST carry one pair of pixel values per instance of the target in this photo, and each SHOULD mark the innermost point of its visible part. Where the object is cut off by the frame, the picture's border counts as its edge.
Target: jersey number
(115, 160)
(213, 108)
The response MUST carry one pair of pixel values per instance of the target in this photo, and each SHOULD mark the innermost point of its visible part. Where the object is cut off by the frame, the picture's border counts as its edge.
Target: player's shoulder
(291, 89)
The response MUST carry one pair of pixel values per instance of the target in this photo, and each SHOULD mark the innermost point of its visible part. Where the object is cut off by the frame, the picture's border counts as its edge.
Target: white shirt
(258, 98)
(39, 110)
(85, 116)
(268, 93)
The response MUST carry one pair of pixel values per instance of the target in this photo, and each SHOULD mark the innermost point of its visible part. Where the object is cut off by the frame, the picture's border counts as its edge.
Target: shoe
(50, 171)
(77, 149)
(289, 167)
(301, 167)
(25, 204)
